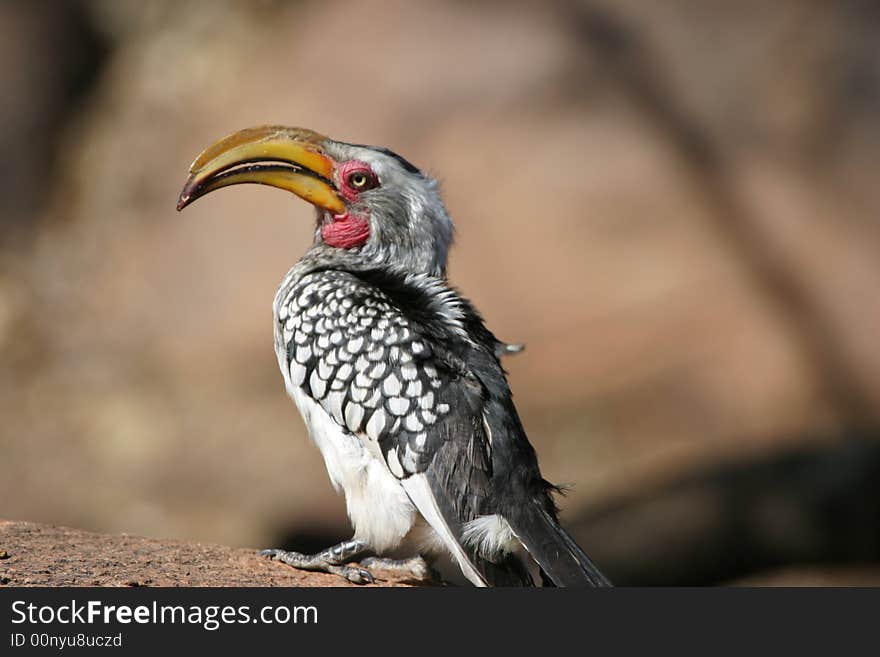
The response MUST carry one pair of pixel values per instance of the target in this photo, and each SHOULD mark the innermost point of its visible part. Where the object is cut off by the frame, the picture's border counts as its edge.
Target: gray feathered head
(374, 207)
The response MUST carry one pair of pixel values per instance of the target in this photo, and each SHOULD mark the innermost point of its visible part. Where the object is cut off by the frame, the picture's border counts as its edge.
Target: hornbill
(394, 372)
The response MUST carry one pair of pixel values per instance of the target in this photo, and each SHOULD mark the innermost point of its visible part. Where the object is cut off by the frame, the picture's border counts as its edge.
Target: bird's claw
(318, 563)
(353, 574)
(416, 567)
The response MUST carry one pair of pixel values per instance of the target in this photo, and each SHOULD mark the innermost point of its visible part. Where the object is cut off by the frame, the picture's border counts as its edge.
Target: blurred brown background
(674, 205)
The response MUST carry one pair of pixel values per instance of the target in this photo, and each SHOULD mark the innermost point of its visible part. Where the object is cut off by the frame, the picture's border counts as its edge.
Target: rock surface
(32, 554)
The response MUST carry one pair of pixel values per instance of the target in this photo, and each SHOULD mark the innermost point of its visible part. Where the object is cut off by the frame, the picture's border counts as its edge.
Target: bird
(394, 372)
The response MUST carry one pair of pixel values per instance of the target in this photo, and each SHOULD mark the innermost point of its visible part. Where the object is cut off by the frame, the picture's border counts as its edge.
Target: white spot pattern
(357, 355)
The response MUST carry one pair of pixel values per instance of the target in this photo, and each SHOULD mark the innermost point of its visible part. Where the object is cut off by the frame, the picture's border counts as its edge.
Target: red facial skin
(347, 231)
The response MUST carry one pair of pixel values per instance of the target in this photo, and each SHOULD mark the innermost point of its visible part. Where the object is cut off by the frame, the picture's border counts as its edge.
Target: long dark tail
(555, 551)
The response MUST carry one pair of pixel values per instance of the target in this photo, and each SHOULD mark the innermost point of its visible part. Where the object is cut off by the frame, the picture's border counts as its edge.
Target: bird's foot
(332, 560)
(415, 567)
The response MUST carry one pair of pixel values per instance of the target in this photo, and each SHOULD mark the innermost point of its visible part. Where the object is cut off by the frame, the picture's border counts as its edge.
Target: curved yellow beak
(287, 158)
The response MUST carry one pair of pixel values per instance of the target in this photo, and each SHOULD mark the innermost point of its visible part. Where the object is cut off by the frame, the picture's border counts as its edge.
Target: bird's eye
(361, 180)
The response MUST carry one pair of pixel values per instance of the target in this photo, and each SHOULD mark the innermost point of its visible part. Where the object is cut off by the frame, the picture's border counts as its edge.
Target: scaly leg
(331, 560)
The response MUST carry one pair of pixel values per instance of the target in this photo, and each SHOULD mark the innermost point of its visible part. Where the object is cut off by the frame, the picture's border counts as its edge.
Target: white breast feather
(378, 506)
